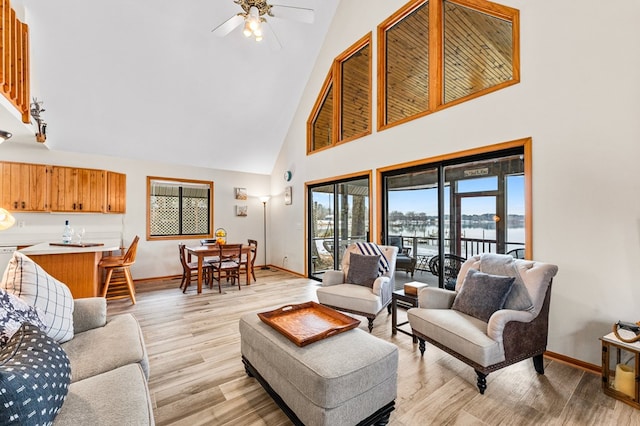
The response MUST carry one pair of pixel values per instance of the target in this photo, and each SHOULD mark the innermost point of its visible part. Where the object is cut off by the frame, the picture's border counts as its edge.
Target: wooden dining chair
(118, 283)
(190, 269)
(230, 258)
(249, 259)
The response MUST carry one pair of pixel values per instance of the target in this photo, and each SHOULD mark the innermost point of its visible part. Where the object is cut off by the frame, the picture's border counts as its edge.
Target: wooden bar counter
(77, 267)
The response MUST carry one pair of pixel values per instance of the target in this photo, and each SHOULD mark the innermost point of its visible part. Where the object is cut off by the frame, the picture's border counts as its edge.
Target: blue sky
(425, 200)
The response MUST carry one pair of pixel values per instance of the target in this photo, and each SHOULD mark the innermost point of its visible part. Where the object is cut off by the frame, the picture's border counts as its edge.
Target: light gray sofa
(109, 369)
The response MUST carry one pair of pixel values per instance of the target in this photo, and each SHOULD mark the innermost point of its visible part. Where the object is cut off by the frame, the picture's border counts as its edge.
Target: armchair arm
(332, 278)
(436, 298)
(499, 319)
(88, 313)
(380, 284)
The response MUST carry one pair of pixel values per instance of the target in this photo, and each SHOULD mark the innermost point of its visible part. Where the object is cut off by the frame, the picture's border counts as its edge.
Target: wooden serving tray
(308, 322)
(77, 244)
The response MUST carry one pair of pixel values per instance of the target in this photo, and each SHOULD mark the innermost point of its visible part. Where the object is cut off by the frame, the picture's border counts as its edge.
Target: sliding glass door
(448, 211)
(338, 216)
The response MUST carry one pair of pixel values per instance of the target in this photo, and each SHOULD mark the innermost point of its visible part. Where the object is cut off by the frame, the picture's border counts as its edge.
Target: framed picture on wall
(287, 195)
(241, 211)
(241, 193)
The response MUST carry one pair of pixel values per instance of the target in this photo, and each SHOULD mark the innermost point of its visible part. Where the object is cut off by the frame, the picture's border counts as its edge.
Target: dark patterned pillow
(34, 378)
(482, 294)
(363, 270)
(13, 312)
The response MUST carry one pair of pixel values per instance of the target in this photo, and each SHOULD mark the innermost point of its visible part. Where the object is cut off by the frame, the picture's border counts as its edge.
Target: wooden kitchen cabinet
(116, 193)
(77, 190)
(24, 187)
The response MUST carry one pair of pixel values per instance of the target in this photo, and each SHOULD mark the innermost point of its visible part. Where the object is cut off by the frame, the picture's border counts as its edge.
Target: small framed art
(241, 211)
(241, 193)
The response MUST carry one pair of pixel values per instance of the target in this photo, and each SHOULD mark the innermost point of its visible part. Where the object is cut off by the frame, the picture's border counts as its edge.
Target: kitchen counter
(46, 248)
(77, 267)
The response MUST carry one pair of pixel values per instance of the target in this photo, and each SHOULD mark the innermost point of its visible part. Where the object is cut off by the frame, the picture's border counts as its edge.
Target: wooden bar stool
(118, 283)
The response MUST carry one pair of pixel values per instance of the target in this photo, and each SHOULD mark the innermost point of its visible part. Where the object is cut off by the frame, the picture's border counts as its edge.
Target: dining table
(205, 250)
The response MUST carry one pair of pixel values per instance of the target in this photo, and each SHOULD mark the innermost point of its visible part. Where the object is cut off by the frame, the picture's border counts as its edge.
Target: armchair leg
(538, 363)
(370, 324)
(422, 346)
(389, 308)
(482, 382)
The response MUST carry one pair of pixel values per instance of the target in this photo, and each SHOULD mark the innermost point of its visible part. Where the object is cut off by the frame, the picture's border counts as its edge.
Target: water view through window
(446, 213)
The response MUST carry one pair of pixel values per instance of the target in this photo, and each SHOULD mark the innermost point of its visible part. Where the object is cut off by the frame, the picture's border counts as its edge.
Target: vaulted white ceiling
(146, 79)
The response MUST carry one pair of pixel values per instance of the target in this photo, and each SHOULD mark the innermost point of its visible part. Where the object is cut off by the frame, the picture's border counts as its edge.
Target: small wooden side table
(412, 300)
(620, 366)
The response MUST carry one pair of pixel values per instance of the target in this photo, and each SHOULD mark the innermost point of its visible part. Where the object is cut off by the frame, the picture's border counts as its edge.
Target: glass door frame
(337, 237)
(521, 146)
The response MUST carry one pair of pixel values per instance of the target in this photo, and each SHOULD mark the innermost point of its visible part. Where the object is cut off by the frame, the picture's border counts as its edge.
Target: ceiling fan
(254, 16)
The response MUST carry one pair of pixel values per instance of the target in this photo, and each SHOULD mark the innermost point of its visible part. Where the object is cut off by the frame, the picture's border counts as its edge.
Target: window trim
(436, 54)
(315, 112)
(337, 106)
(334, 80)
(179, 181)
(525, 143)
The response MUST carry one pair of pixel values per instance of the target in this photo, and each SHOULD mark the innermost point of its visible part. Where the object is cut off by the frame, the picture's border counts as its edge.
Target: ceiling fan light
(247, 29)
(258, 32)
(258, 38)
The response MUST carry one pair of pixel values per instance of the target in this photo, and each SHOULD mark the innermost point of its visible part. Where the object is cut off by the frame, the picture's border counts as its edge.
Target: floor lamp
(264, 206)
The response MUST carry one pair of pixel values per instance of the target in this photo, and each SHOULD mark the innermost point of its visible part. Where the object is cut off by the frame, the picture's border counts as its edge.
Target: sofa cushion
(363, 269)
(34, 378)
(482, 294)
(106, 348)
(27, 280)
(13, 312)
(117, 397)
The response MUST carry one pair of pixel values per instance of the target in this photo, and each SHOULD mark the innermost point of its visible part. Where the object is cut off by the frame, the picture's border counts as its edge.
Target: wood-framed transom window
(433, 54)
(342, 111)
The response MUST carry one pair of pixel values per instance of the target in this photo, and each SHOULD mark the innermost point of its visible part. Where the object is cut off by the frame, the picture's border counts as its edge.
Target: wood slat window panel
(353, 89)
(478, 51)
(406, 65)
(472, 48)
(320, 122)
(322, 127)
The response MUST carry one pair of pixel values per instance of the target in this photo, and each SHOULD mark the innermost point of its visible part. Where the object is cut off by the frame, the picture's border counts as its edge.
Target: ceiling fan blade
(270, 35)
(300, 14)
(227, 26)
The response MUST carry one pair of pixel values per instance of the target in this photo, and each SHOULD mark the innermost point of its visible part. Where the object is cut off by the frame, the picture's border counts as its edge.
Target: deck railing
(14, 59)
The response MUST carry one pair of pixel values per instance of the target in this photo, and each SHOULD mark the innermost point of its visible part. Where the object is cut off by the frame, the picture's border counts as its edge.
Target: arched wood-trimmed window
(342, 111)
(438, 53)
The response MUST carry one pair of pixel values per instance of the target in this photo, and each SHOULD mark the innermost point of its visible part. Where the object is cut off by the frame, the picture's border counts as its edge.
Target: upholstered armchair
(367, 299)
(496, 316)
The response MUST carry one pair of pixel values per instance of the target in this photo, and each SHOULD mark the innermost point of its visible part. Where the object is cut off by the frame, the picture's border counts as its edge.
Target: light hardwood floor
(197, 376)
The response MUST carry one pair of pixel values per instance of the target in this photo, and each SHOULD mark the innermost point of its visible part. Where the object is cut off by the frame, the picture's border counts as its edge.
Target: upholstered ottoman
(346, 379)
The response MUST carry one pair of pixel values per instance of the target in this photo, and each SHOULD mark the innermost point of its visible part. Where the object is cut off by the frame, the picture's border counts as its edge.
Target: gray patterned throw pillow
(482, 294)
(363, 270)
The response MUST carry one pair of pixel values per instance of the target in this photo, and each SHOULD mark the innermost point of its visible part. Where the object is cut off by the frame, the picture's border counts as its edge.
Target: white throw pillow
(27, 280)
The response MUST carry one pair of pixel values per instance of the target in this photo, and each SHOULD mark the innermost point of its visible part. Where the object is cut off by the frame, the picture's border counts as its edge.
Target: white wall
(579, 99)
(155, 258)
